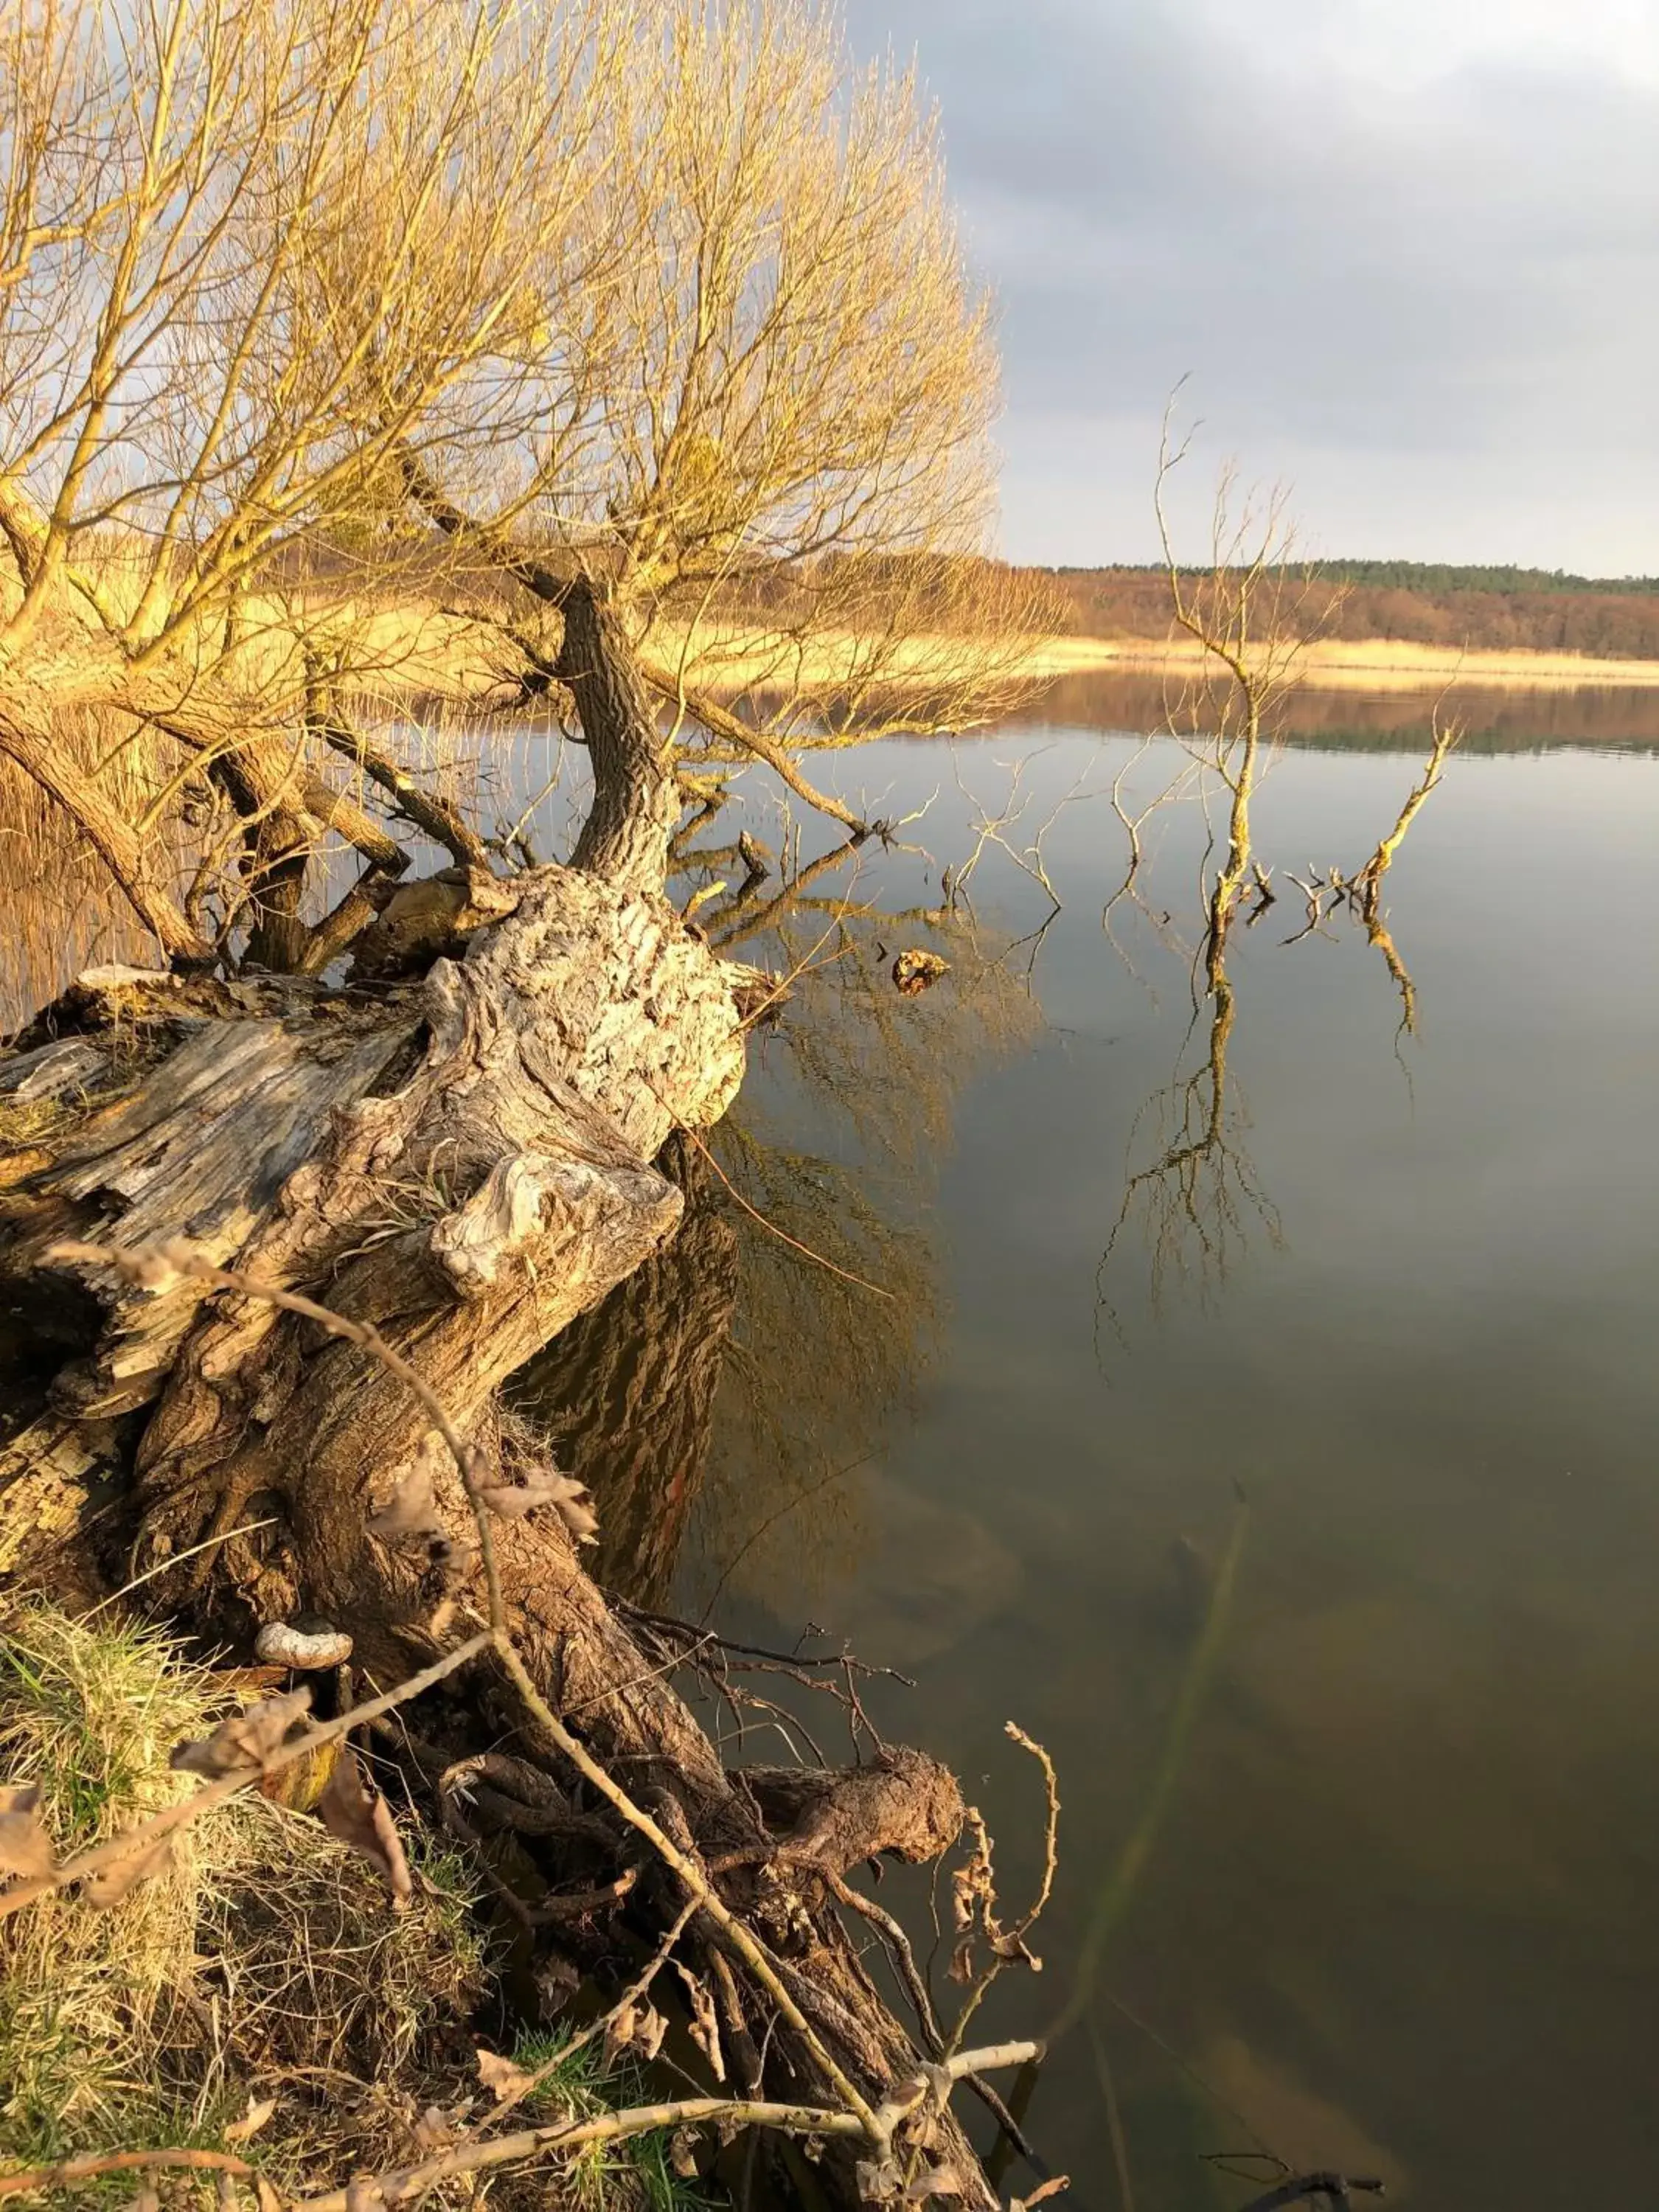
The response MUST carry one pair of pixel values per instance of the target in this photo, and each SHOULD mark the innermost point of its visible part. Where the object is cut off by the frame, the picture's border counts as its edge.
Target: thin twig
(177, 1559)
(748, 1950)
(119, 2161)
(635, 1990)
(690, 2112)
(784, 1662)
(1051, 1825)
(1009, 1944)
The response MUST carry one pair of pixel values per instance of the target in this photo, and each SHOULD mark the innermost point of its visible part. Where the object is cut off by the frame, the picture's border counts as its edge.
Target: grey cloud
(1378, 284)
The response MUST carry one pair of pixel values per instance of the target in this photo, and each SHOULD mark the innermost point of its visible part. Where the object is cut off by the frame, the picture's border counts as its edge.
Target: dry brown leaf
(636, 2025)
(1052, 2187)
(432, 2131)
(878, 2183)
(577, 1513)
(411, 1514)
(110, 1883)
(511, 1501)
(266, 2193)
(259, 2110)
(502, 2077)
(705, 2021)
(24, 1846)
(973, 1886)
(619, 2033)
(245, 1741)
(355, 1811)
(649, 2034)
(145, 2201)
(973, 1899)
(573, 1500)
(683, 2153)
(364, 2194)
(942, 2181)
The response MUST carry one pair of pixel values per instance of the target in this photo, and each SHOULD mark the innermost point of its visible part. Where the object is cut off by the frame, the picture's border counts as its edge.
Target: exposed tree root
(458, 1169)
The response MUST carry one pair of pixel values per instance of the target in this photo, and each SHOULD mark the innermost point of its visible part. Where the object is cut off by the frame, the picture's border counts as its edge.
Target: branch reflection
(1200, 1200)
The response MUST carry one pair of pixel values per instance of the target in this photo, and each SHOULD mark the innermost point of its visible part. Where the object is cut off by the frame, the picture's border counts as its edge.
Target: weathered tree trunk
(636, 801)
(472, 1197)
(470, 1207)
(465, 1159)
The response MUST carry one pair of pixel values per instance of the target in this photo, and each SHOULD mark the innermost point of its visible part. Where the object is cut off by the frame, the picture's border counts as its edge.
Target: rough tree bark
(636, 801)
(465, 1158)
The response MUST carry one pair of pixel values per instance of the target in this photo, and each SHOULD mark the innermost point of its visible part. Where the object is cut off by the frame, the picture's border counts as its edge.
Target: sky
(1405, 253)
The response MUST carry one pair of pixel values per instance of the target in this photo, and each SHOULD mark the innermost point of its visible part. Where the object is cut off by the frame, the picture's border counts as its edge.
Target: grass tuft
(265, 1960)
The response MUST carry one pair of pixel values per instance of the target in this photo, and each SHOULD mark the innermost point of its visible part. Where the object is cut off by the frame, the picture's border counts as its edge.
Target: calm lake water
(1275, 1440)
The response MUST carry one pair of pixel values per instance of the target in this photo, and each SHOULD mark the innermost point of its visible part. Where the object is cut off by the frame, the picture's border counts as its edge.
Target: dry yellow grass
(263, 1962)
(724, 663)
(263, 1959)
(725, 659)
(1372, 663)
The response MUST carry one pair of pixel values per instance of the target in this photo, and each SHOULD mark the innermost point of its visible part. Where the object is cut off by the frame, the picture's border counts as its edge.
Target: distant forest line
(1504, 610)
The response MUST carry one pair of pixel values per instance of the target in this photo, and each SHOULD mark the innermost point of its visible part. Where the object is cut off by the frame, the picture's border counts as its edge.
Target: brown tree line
(1135, 603)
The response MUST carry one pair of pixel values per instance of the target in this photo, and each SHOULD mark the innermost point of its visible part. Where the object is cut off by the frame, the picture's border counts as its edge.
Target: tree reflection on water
(754, 1365)
(1197, 1199)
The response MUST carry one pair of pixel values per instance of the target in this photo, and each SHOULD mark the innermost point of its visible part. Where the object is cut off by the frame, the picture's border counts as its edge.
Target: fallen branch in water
(1337, 2186)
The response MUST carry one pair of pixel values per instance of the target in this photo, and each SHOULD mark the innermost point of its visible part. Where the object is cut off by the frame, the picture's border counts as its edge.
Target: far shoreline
(1338, 663)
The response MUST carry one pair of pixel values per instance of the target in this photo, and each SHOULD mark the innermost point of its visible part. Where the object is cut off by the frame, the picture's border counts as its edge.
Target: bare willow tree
(1250, 614)
(250, 256)
(764, 453)
(656, 317)
(592, 329)
(1251, 611)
